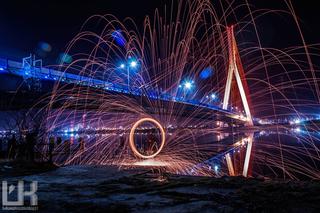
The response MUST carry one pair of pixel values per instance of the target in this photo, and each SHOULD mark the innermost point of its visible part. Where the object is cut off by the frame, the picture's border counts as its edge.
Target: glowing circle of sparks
(131, 138)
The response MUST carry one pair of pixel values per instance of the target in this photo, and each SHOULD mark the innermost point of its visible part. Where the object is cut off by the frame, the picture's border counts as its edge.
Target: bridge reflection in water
(213, 153)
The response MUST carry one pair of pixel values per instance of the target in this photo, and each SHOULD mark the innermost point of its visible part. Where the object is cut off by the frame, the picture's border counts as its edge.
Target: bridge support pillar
(248, 156)
(230, 165)
(235, 67)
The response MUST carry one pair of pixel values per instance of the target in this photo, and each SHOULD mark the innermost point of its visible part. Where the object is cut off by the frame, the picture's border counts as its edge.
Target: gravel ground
(108, 189)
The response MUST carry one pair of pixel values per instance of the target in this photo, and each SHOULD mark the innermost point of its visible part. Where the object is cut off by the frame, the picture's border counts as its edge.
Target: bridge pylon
(236, 69)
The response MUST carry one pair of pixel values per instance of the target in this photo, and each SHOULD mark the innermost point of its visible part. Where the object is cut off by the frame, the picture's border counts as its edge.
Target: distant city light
(213, 96)
(122, 66)
(216, 168)
(297, 121)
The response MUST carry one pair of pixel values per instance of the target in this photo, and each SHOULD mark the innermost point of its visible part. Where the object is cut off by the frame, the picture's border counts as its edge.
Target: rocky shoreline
(108, 189)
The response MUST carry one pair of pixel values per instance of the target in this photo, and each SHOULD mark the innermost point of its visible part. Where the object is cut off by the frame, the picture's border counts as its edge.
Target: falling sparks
(167, 52)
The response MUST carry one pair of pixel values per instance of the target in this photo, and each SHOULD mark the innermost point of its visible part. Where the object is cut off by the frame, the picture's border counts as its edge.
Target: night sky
(23, 24)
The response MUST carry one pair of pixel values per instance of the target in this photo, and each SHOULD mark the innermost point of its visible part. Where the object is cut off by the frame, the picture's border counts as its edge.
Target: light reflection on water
(288, 154)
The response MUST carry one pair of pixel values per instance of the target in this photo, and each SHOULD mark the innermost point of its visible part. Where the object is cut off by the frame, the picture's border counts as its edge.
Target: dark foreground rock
(107, 189)
(23, 168)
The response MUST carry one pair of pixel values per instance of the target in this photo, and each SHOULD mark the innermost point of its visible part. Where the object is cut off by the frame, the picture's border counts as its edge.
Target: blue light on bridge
(206, 73)
(2, 70)
(133, 64)
(128, 67)
(213, 97)
(130, 64)
(188, 85)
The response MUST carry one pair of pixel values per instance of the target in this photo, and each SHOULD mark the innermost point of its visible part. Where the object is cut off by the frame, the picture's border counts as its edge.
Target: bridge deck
(16, 68)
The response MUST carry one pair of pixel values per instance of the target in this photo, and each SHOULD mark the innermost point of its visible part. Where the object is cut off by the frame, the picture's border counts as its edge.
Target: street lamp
(188, 85)
(132, 64)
